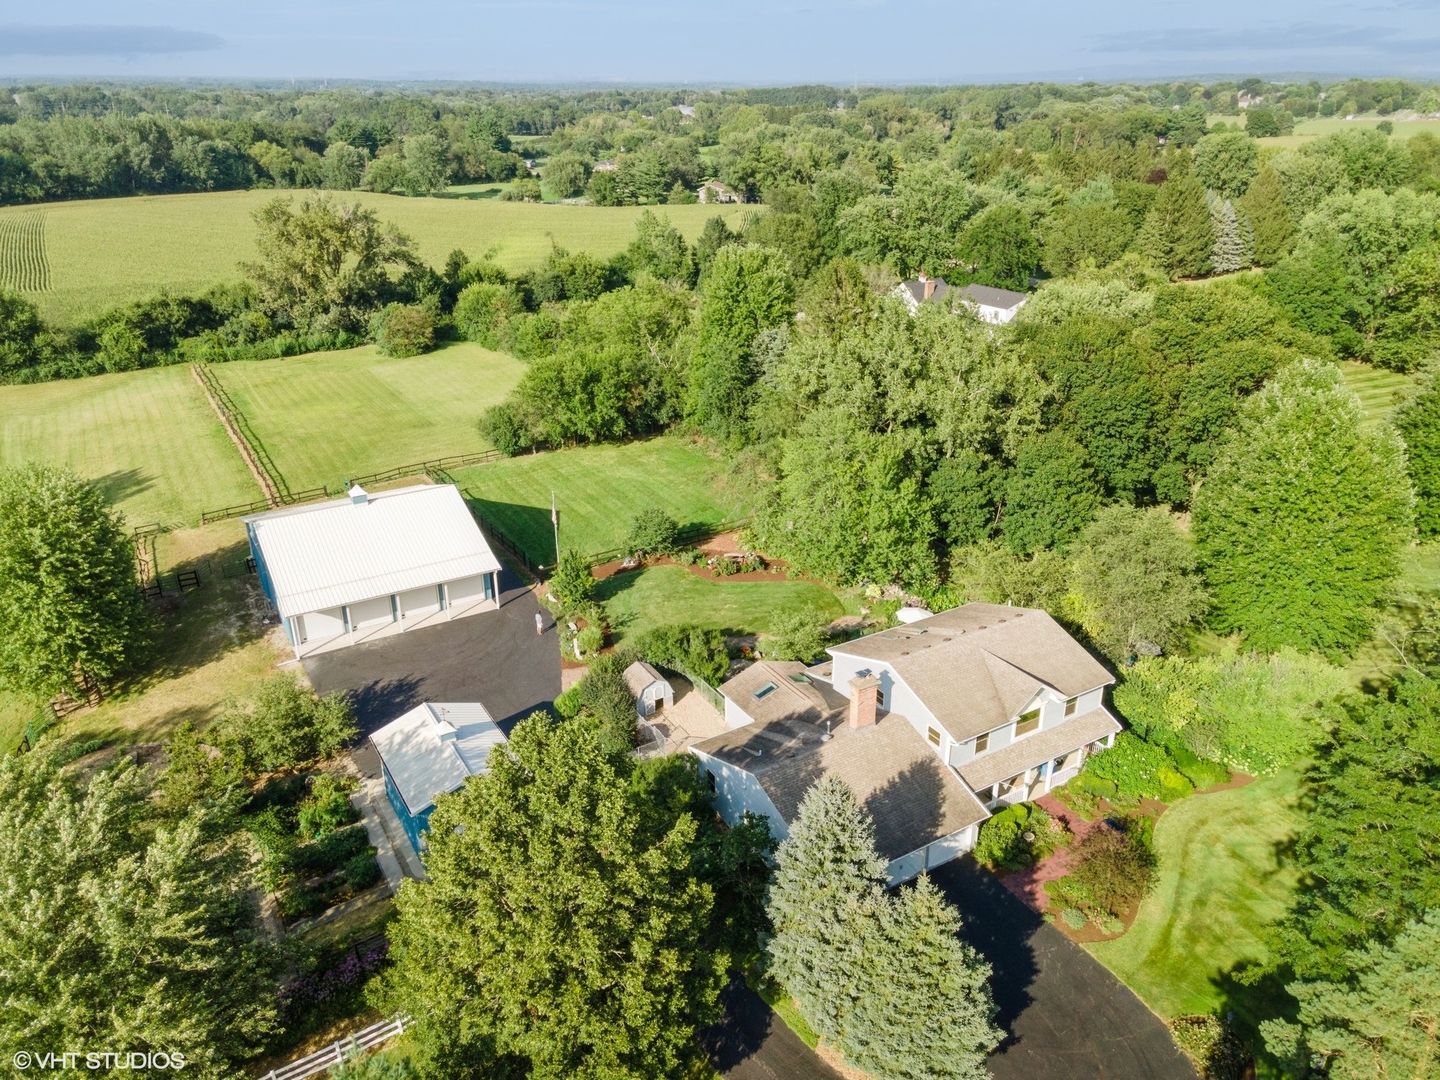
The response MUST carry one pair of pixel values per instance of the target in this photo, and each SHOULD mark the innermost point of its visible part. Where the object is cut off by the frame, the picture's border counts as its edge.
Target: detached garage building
(368, 566)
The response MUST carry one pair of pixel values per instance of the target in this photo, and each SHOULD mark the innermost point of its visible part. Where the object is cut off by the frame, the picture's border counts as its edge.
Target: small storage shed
(650, 688)
(430, 751)
(371, 565)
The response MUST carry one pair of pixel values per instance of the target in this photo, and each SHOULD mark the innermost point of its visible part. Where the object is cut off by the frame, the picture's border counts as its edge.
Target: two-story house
(1001, 702)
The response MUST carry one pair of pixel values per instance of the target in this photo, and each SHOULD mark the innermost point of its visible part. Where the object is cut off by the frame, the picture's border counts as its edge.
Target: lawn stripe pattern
(23, 265)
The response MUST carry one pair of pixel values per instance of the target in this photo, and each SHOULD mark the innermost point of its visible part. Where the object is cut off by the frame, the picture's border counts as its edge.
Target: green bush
(690, 650)
(1074, 918)
(591, 640)
(403, 329)
(652, 532)
(330, 852)
(1113, 869)
(301, 902)
(796, 635)
(284, 725)
(328, 807)
(1138, 769)
(572, 583)
(1018, 836)
(503, 426)
(482, 310)
(361, 871)
(568, 703)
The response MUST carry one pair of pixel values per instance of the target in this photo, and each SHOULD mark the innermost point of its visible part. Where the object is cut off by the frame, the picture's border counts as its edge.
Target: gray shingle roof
(978, 665)
(996, 298)
(639, 675)
(1030, 751)
(795, 695)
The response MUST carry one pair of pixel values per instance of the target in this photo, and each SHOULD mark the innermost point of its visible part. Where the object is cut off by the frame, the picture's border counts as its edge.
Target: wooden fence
(337, 1052)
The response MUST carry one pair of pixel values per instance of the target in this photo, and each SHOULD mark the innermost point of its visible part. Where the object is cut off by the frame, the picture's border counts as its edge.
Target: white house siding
(736, 716)
(368, 613)
(418, 603)
(738, 791)
(466, 591)
(899, 698)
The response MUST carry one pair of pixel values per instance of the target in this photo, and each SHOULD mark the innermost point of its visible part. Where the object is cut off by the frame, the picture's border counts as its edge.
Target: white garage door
(369, 613)
(466, 591)
(417, 603)
(321, 625)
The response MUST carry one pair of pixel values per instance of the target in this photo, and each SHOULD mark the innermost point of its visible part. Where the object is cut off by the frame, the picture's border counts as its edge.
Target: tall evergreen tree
(1300, 520)
(1418, 421)
(1264, 205)
(69, 598)
(1231, 251)
(561, 930)
(927, 1012)
(1177, 235)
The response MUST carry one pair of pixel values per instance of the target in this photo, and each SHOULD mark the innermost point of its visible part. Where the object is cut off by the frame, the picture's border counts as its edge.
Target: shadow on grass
(1249, 1001)
(527, 527)
(124, 484)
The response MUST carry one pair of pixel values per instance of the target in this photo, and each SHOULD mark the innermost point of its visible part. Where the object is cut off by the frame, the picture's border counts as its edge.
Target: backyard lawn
(1219, 883)
(636, 602)
(327, 416)
(599, 490)
(103, 252)
(149, 439)
(1379, 390)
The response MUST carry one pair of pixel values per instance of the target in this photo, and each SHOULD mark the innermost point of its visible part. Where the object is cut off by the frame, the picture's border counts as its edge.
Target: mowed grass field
(599, 490)
(328, 416)
(102, 252)
(148, 438)
(1220, 883)
(1379, 390)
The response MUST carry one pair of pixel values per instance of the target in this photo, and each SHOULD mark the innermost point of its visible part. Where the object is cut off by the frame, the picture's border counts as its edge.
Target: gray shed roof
(912, 797)
(640, 675)
(975, 667)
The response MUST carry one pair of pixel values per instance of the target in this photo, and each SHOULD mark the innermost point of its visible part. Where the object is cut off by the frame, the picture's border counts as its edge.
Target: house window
(982, 743)
(768, 688)
(1070, 704)
(1027, 723)
(933, 734)
(880, 698)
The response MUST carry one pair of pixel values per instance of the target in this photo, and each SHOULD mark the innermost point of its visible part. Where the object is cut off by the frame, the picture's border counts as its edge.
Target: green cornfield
(23, 265)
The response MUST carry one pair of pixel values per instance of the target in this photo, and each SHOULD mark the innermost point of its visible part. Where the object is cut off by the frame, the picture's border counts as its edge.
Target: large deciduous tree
(560, 931)
(69, 598)
(1300, 520)
(121, 930)
(1226, 162)
(323, 268)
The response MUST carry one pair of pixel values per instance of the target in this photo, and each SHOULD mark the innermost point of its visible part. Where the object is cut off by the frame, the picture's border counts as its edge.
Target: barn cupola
(359, 496)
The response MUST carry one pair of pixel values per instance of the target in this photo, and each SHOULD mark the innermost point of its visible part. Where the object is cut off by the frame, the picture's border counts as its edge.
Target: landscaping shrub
(300, 902)
(690, 650)
(590, 640)
(572, 583)
(403, 329)
(285, 724)
(330, 852)
(568, 703)
(796, 635)
(361, 871)
(1113, 869)
(1213, 1044)
(1074, 918)
(652, 532)
(328, 807)
(605, 696)
(1139, 770)
(1018, 836)
(502, 425)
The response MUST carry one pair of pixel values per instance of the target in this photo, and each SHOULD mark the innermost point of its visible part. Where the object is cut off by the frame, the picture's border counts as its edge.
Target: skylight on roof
(799, 677)
(768, 688)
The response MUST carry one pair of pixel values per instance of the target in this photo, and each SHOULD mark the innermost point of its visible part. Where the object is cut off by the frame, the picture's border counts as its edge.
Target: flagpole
(555, 521)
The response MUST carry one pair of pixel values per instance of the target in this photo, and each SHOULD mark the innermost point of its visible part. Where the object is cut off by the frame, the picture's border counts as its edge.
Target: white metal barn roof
(353, 549)
(434, 747)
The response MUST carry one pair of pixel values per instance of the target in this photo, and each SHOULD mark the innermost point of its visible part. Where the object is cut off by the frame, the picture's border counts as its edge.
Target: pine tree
(1264, 206)
(827, 893)
(927, 1012)
(1300, 520)
(1228, 253)
(1418, 422)
(1177, 235)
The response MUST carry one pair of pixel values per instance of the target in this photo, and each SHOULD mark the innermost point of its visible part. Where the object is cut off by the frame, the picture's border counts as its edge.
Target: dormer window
(982, 743)
(1070, 704)
(1027, 723)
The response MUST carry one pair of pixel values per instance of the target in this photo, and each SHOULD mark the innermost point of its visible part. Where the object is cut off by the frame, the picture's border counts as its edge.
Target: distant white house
(606, 165)
(713, 191)
(932, 724)
(992, 305)
(650, 689)
(430, 751)
(372, 565)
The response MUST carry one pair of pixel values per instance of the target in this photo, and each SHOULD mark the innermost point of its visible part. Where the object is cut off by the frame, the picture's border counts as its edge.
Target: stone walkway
(393, 852)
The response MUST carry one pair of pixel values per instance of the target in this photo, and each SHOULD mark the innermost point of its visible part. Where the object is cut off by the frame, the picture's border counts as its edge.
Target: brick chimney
(864, 692)
(929, 288)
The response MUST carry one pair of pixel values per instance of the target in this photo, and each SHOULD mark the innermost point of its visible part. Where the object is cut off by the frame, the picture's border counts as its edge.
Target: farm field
(149, 439)
(637, 602)
(327, 416)
(599, 490)
(103, 252)
(1219, 884)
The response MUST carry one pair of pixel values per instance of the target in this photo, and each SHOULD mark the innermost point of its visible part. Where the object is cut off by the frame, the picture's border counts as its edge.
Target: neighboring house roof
(340, 552)
(1024, 753)
(432, 749)
(913, 798)
(975, 667)
(640, 675)
(785, 692)
(916, 289)
(984, 295)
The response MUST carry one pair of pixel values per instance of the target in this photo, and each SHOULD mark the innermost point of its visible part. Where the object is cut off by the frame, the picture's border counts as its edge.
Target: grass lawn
(1379, 390)
(327, 416)
(637, 602)
(148, 438)
(1219, 884)
(599, 490)
(103, 252)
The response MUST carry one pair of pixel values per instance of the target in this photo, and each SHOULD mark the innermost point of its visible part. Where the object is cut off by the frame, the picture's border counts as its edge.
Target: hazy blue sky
(741, 41)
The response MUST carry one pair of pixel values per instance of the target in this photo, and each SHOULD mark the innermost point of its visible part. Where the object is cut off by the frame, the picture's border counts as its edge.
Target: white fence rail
(336, 1052)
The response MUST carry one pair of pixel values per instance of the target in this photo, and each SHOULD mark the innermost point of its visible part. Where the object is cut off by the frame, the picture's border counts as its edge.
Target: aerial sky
(717, 41)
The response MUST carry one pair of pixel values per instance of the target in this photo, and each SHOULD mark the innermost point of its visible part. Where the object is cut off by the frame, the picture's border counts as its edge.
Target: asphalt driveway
(495, 658)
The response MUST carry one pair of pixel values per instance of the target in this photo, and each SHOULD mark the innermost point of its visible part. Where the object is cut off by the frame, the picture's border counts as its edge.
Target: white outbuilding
(650, 689)
(372, 565)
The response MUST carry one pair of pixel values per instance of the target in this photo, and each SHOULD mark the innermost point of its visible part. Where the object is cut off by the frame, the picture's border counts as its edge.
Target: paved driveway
(1066, 1016)
(495, 658)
